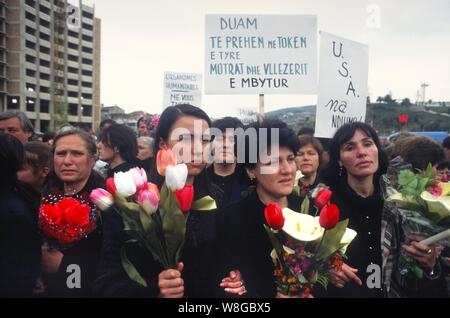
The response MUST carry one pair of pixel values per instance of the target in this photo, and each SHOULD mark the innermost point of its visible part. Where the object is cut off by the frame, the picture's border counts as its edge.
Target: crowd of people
(226, 251)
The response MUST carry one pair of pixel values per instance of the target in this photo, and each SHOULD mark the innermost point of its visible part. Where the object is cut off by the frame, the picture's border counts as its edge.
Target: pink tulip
(148, 200)
(164, 158)
(101, 198)
(139, 177)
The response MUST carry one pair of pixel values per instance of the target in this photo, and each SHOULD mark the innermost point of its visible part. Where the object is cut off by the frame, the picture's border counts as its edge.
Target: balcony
(72, 51)
(31, 66)
(44, 69)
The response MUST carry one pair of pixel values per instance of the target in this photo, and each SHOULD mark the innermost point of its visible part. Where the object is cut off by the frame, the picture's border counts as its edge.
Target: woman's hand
(424, 255)
(50, 260)
(344, 275)
(170, 283)
(234, 284)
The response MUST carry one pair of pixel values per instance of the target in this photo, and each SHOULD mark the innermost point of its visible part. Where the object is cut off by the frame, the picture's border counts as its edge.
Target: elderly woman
(74, 157)
(145, 152)
(244, 246)
(355, 175)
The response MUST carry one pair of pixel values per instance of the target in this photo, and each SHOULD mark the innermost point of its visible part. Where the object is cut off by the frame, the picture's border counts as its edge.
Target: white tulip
(176, 176)
(124, 184)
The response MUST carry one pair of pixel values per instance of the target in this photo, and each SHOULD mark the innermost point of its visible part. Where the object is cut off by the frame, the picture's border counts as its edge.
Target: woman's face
(307, 160)
(73, 163)
(189, 141)
(144, 152)
(359, 155)
(277, 177)
(105, 153)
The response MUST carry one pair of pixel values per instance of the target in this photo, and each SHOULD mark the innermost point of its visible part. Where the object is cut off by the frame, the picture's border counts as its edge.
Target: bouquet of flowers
(311, 246)
(67, 219)
(156, 220)
(424, 204)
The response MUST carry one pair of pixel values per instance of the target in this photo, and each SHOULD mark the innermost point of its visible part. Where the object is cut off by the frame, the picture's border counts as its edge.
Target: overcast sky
(142, 39)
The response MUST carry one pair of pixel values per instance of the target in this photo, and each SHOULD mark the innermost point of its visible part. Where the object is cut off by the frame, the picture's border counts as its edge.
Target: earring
(340, 171)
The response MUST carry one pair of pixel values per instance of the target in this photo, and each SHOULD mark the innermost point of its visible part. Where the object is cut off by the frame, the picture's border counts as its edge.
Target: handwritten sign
(182, 88)
(343, 77)
(258, 54)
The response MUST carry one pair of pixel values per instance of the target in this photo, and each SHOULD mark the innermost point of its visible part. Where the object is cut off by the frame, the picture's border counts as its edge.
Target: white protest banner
(182, 88)
(260, 54)
(343, 73)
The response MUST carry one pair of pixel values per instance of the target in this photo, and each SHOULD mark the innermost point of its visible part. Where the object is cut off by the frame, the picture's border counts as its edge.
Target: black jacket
(20, 249)
(244, 245)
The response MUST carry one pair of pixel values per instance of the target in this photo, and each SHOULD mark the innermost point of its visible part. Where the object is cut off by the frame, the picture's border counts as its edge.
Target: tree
(406, 102)
(368, 100)
(380, 99)
(388, 99)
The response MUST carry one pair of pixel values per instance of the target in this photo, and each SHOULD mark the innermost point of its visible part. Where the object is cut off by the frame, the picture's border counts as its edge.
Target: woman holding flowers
(69, 219)
(181, 139)
(355, 176)
(246, 267)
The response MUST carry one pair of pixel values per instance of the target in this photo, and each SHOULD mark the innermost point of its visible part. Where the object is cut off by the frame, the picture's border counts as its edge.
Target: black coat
(84, 253)
(244, 245)
(20, 249)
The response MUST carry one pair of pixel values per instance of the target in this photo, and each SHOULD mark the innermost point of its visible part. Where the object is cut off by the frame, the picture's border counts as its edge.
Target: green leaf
(129, 268)
(405, 177)
(305, 206)
(331, 240)
(204, 204)
(277, 246)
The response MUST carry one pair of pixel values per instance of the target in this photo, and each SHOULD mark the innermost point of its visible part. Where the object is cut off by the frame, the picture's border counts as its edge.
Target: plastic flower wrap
(67, 219)
(424, 205)
(307, 247)
(156, 220)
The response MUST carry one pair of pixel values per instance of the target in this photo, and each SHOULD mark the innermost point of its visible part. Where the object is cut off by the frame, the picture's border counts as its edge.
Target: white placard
(182, 88)
(343, 74)
(260, 54)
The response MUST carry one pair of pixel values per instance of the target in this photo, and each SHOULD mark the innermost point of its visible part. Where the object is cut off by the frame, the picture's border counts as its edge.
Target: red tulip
(111, 186)
(403, 118)
(185, 197)
(274, 216)
(329, 216)
(322, 198)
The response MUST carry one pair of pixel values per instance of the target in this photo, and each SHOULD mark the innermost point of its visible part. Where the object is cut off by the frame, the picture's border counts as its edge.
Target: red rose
(78, 215)
(52, 213)
(329, 216)
(66, 203)
(322, 198)
(274, 216)
(185, 197)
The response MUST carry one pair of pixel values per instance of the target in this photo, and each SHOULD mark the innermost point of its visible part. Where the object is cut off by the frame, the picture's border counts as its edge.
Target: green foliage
(412, 185)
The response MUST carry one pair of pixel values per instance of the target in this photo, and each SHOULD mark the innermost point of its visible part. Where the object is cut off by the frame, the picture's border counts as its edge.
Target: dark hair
(446, 142)
(315, 143)
(287, 138)
(107, 121)
(123, 138)
(420, 151)
(11, 158)
(330, 175)
(38, 155)
(88, 140)
(227, 122)
(168, 117)
(445, 164)
(305, 131)
(49, 135)
(25, 123)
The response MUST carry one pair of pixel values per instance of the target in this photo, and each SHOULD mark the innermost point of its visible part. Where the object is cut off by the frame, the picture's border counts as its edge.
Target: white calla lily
(439, 207)
(274, 256)
(302, 227)
(124, 184)
(176, 176)
(348, 237)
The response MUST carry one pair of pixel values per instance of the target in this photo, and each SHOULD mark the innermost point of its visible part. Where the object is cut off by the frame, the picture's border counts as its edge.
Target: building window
(86, 73)
(44, 9)
(44, 89)
(72, 57)
(73, 33)
(30, 45)
(29, 58)
(45, 77)
(30, 104)
(86, 61)
(87, 49)
(31, 3)
(72, 94)
(44, 23)
(87, 96)
(87, 26)
(72, 82)
(44, 36)
(44, 49)
(30, 73)
(13, 102)
(44, 63)
(72, 46)
(86, 110)
(86, 84)
(72, 70)
(30, 16)
(30, 30)
(87, 38)
(87, 15)
(30, 87)
(73, 109)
